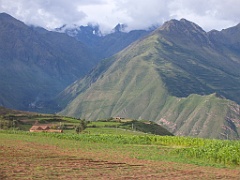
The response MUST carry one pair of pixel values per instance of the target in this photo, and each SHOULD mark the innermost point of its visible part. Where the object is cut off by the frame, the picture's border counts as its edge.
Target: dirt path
(24, 160)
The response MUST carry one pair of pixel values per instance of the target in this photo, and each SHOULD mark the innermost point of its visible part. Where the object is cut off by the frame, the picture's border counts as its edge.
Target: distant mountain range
(36, 64)
(104, 46)
(179, 76)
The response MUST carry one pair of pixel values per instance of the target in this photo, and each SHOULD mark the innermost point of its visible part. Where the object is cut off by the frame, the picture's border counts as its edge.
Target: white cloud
(137, 14)
(209, 14)
(142, 13)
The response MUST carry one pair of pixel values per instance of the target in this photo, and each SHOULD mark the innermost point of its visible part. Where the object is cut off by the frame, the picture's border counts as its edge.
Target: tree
(82, 125)
(14, 124)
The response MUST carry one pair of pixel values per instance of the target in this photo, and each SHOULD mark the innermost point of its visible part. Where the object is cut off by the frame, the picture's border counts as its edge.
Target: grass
(183, 149)
(87, 156)
(111, 132)
(115, 131)
(104, 124)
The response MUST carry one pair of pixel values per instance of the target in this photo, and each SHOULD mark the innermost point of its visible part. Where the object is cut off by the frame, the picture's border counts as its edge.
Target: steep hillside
(177, 76)
(36, 64)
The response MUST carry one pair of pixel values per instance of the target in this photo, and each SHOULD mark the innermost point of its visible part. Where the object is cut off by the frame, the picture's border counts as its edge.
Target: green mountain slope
(198, 64)
(36, 64)
(176, 77)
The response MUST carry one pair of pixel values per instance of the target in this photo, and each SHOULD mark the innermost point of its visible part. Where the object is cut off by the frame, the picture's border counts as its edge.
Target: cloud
(141, 14)
(209, 14)
(49, 14)
(137, 14)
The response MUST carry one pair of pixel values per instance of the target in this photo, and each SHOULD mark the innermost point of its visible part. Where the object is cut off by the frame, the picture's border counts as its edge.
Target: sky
(137, 14)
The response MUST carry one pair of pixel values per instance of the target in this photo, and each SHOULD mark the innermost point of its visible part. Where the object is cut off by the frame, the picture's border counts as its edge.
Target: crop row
(218, 151)
(226, 153)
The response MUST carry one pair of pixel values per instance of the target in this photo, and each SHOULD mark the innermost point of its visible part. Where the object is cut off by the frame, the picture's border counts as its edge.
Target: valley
(119, 90)
(177, 76)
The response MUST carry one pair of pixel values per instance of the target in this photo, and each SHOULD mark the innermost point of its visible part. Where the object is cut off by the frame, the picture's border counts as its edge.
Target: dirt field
(25, 160)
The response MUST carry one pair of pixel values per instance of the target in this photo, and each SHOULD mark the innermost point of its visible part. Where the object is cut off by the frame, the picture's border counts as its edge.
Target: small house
(44, 128)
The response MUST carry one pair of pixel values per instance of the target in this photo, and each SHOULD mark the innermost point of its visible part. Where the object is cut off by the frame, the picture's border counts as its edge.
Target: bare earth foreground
(20, 159)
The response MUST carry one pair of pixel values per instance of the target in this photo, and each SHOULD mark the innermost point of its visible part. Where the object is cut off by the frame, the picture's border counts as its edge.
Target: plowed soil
(25, 160)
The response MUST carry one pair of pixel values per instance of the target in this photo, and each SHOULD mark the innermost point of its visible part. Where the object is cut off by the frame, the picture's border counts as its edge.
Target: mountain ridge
(183, 86)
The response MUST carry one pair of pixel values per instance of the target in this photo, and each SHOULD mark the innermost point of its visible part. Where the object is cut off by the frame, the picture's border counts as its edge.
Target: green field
(25, 155)
(182, 149)
(130, 148)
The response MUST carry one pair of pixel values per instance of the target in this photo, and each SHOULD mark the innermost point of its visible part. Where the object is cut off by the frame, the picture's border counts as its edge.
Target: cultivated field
(71, 156)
